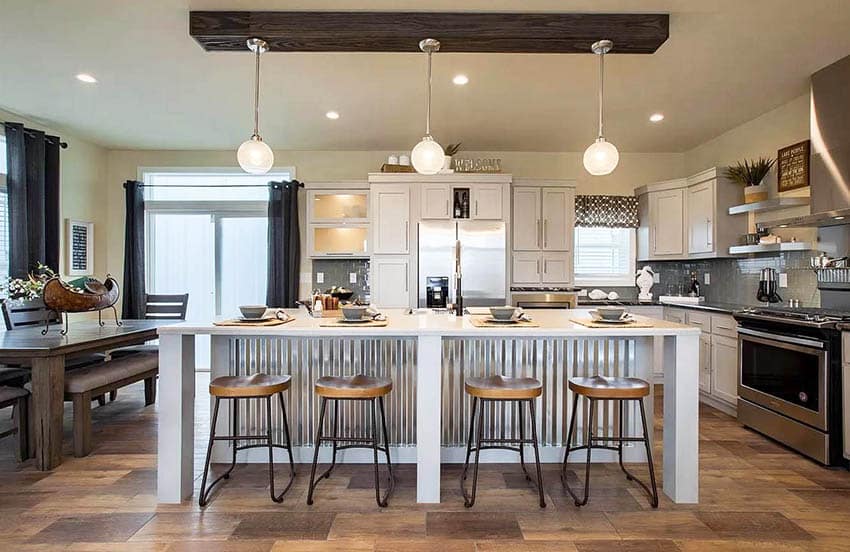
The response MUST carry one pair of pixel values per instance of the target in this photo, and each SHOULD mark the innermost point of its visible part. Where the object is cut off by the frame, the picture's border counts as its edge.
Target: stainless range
(789, 378)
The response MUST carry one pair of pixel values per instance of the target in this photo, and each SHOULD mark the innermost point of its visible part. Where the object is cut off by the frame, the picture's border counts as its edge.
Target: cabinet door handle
(406, 235)
(544, 236)
(537, 263)
(476, 207)
(709, 237)
(545, 267)
(539, 231)
(406, 278)
(447, 207)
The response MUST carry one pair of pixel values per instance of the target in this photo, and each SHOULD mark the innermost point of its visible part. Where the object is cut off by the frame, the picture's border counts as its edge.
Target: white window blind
(604, 256)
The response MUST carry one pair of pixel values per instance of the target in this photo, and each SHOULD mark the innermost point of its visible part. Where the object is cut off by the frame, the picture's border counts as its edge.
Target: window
(4, 214)
(208, 238)
(604, 256)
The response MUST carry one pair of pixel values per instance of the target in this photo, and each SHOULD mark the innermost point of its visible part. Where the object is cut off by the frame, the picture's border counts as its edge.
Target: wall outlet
(320, 277)
(656, 278)
(783, 279)
(706, 279)
(352, 277)
(306, 277)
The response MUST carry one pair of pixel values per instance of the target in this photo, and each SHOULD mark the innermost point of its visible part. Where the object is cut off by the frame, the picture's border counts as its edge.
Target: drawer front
(701, 320)
(674, 315)
(725, 325)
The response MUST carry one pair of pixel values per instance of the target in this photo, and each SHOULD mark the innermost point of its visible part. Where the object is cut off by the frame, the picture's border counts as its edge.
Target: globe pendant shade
(601, 157)
(427, 156)
(255, 156)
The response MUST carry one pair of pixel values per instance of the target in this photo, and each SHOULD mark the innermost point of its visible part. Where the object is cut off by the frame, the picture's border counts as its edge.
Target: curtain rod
(269, 185)
(31, 132)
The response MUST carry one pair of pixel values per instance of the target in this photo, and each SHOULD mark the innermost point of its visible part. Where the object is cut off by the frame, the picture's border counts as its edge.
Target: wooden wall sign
(361, 31)
(792, 166)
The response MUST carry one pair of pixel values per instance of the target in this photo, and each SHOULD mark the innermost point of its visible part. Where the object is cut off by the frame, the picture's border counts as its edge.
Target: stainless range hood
(830, 156)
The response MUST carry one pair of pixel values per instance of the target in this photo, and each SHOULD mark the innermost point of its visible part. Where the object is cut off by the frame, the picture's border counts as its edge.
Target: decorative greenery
(29, 288)
(750, 173)
(452, 149)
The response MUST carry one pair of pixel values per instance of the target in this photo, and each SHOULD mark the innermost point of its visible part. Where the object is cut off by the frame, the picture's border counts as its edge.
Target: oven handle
(783, 338)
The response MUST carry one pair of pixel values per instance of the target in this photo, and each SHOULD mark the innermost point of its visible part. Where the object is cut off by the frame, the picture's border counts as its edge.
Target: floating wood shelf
(770, 248)
(774, 204)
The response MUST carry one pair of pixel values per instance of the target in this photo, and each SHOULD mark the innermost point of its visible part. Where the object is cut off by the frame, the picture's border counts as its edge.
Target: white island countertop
(679, 359)
(552, 323)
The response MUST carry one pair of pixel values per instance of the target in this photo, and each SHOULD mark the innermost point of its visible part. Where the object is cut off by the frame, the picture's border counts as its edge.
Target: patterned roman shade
(607, 210)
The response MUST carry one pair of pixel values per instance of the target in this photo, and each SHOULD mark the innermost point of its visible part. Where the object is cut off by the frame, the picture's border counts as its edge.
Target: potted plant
(750, 174)
(450, 150)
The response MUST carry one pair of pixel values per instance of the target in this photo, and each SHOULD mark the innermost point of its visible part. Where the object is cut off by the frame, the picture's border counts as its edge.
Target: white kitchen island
(427, 356)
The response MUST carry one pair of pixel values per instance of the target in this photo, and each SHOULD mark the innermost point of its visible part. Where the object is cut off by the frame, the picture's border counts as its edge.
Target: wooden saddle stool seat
(498, 388)
(360, 387)
(602, 388)
(253, 387)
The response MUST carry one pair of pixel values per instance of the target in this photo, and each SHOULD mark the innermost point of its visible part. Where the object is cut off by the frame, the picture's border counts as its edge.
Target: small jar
(392, 160)
(404, 159)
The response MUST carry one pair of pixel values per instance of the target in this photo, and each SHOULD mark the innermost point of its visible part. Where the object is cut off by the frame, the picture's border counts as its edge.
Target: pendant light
(428, 156)
(602, 156)
(254, 155)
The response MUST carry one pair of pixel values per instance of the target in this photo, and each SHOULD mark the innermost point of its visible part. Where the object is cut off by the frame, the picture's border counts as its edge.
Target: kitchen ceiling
(726, 62)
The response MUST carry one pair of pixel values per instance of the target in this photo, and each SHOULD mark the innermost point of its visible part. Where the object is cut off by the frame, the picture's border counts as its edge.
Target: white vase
(447, 163)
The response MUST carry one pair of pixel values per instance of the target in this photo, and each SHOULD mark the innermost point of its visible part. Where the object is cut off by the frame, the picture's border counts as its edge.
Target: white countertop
(553, 323)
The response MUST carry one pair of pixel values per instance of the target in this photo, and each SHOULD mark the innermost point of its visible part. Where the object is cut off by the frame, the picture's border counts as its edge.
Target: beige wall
(82, 188)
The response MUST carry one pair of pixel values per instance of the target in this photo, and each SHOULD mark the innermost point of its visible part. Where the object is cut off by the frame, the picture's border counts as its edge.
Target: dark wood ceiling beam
(534, 33)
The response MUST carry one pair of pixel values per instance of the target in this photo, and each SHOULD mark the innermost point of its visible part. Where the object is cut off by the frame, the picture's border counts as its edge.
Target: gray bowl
(353, 312)
(503, 313)
(611, 313)
(253, 311)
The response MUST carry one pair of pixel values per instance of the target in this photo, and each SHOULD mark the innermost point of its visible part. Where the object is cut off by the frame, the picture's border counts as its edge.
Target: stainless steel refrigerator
(482, 252)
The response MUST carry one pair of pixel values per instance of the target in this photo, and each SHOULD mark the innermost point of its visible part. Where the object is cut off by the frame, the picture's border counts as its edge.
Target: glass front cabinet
(338, 223)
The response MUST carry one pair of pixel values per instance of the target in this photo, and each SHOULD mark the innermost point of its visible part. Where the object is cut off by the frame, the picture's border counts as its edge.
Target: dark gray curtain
(33, 188)
(133, 302)
(284, 244)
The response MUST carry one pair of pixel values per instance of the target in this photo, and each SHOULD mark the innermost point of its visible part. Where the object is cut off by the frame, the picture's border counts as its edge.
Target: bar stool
(353, 388)
(619, 389)
(235, 388)
(496, 389)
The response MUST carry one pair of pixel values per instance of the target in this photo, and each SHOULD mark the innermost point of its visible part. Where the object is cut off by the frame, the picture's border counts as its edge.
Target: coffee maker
(436, 291)
(767, 287)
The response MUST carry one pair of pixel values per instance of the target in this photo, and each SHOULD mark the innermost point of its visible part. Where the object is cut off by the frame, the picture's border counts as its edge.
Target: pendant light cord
(428, 100)
(257, 95)
(601, 89)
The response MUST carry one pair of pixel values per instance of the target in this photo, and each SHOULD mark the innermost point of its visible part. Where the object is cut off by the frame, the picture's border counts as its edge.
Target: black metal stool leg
(569, 440)
(382, 503)
(589, 444)
(536, 451)
(288, 443)
(234, 444)
(620, 443)
(469, 501)
(469, 442)
(334, 436)
(202, 498)
(316, 445)
(278, 498)
(646, 441)
(391, 484)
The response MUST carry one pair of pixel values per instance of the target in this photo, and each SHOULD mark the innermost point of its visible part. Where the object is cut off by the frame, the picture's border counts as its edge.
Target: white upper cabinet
(701, 217)
(436, 201)
(557, 267)
(487, 201)
(667, 210)
(526, 267)
(557, 227)
(527, 219)
(689, 217)
(390, 218)
(390, 281)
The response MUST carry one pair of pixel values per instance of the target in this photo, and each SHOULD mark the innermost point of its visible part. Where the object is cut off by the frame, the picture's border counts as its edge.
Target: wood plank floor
(755, 495)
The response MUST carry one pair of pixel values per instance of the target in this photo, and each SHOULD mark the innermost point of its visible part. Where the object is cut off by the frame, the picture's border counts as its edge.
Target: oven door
(786, 374)
(545, 300)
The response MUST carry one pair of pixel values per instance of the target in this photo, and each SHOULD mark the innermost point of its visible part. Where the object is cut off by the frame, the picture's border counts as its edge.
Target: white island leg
(681, 418)
(428, 417)
(176, 427)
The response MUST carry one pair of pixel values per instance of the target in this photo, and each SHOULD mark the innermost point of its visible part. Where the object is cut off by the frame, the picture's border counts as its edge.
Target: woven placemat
(251, 323)
(590, 323)
(337, 323)
(479, 322)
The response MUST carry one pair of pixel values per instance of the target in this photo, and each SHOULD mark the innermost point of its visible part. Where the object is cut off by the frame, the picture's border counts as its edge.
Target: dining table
(45, 355)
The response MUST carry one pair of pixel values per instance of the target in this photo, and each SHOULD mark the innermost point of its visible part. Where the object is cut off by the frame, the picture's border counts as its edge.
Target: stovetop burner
(801, 316)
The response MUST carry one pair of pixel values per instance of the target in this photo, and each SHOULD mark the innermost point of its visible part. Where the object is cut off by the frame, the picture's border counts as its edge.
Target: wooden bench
(84, 383)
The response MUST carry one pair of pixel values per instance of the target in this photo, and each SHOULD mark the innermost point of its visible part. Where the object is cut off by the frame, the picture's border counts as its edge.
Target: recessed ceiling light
(332, 115)
(783, 226)
(656, 117)
(460, 80)
(838, 218)
(86, 78)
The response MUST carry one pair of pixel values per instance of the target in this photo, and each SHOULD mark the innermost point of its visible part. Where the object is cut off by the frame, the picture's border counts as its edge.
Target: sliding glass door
(210, 241)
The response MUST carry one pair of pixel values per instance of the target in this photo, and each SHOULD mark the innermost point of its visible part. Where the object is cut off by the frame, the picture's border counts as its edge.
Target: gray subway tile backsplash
(336, 273)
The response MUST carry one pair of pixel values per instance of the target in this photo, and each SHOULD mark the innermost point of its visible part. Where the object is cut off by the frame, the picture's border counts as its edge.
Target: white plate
(358, 321)
(261, 319)
(497, 321)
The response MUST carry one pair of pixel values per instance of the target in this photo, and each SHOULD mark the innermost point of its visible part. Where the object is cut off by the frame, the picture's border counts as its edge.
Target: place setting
(499, 317)
(358, 316)
(608, 317)
(257, 316)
